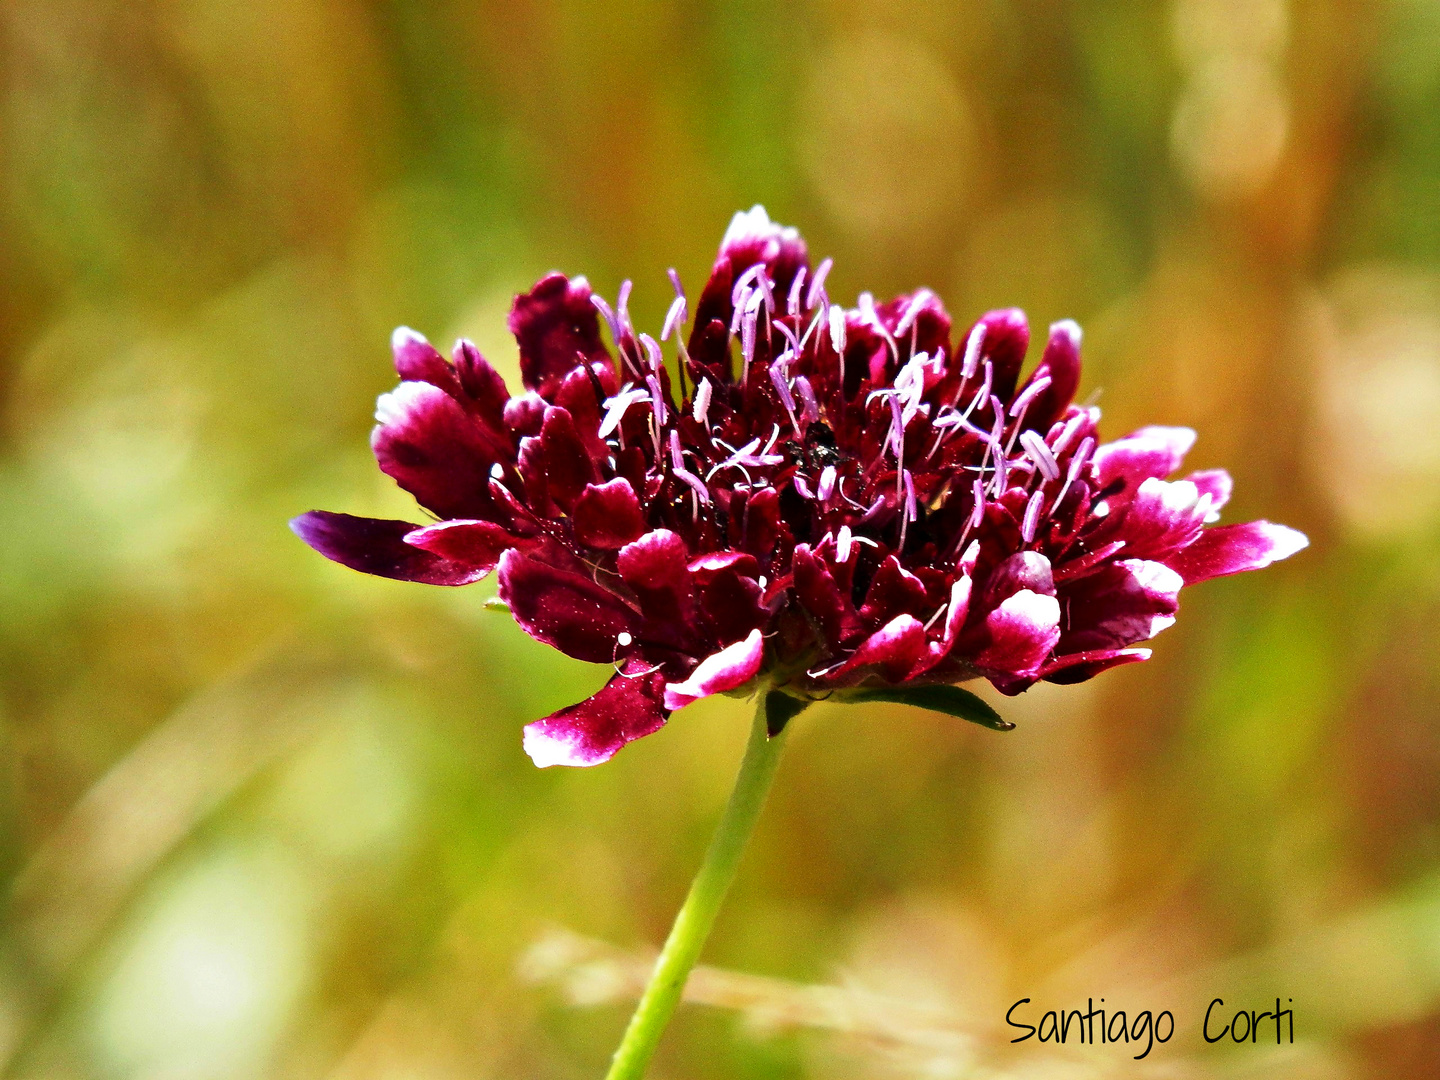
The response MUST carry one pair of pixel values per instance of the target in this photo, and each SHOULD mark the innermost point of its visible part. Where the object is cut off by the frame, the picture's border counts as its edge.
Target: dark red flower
(833, 498)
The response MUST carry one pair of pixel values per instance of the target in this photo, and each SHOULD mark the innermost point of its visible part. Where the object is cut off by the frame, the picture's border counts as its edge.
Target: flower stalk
(707, 892)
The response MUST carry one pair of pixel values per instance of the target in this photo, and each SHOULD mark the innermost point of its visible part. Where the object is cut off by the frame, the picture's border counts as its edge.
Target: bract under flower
(825, 498)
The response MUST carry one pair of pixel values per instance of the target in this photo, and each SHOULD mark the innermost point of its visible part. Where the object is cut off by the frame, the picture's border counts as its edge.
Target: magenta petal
(731, 667)
(475, 543)
(434, 449)
(1077, 667)
(623, 710)
(896, 648)
(376, 546)
(558, 329)
(1120, 604)
(565, 609)
(1162, 518)
(955, 613)
(608, 516)
(1217, 484)
(1022, 632)
(1229, 549)
(1151, 451)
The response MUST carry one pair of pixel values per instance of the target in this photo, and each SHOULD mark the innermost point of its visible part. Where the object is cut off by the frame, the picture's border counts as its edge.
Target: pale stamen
(817, 284)
(1040, 454)
(1032, 516)
(971, 363)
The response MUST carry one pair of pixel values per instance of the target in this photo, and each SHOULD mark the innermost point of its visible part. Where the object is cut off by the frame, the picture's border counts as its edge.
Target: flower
(834, 499)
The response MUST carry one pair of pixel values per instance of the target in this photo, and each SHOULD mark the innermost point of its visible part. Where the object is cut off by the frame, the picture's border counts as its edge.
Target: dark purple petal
(1022, 631)
(568, 468)
(818, 593)
(1061, 365)
(483, 386)
(565, 609)
(1120, 604)
(656, 566)
(893, 591)
(1007, 337)
(608, 516)
(626, 708)
(525, 414)
(416, 360)
(1229, 549)
(376, 546)
(1077, 667)
(434, 449)
(557, 329)
(1151, 451)
(731, 667)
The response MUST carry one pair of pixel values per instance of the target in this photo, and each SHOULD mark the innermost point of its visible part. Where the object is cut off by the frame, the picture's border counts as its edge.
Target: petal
(1007, 337)
(623, 710)
(416, 360)
(1120, 604)
(608, 516)
(483, 386)
(732, 666)
(1061, 365)
(955, 613)
(1077, 667)
(567, 464)
(893, 591)
(818, 593)
(565, 609)
(1022, 632)
(1229, 549)
(1151, 451)
(474, 543)
(751, 238)
(375, 546)
(896, 648)
(434, 449)
(1217, 484)
(557, 329)
(1163, 517)
(656, 567)
(1023, 570)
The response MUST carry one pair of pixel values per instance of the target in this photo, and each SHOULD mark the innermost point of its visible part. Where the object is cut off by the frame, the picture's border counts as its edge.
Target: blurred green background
(265, 817)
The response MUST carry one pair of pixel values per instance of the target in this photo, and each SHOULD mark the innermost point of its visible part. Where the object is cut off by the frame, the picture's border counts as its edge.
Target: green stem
(707, 893)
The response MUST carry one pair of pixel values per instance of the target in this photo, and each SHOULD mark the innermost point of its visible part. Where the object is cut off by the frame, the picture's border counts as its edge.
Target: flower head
(833, 498)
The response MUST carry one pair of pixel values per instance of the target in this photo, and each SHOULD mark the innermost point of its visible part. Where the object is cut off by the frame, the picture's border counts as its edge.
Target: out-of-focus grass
(265, 817)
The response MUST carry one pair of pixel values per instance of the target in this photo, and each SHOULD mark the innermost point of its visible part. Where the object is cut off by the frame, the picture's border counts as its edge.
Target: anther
(1040, 454)
(675, 317)
(1032, 516)
(971, 363)
(792, 302)
(701, 408)
(817, 283)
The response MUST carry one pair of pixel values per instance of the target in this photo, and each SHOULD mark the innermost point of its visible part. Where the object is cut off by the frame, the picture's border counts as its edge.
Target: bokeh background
(264, 817)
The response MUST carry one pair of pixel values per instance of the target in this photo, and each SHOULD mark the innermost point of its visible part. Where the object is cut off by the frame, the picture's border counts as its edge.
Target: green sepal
(950, 700)
(780, 709)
